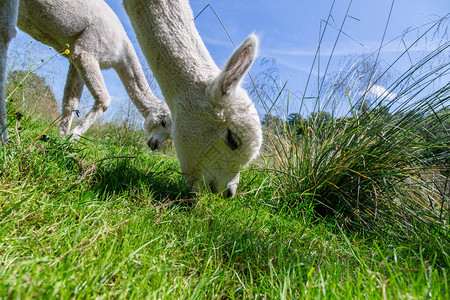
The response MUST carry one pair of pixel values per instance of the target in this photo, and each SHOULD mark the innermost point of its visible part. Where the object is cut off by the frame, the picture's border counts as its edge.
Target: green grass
(108, 218)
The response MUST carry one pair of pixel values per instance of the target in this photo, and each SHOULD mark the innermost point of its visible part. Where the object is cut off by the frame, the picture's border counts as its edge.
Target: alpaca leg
(3, 122)
(8, 20)
(71, 98)
(89, 70)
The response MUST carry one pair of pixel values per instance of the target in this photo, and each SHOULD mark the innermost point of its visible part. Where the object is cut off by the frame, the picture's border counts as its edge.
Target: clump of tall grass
(371, 165)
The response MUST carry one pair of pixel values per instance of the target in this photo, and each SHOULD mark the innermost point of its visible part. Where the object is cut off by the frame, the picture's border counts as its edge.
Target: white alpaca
(97, 41)
(8, 19)
(216, 128)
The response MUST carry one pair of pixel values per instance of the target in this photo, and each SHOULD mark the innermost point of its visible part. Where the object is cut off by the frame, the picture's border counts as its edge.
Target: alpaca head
(158, 125)
(217, 129)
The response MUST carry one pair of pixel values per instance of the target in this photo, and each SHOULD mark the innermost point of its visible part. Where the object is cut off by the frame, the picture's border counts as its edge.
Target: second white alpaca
(216, 128)
(8, 18)
(97, 40)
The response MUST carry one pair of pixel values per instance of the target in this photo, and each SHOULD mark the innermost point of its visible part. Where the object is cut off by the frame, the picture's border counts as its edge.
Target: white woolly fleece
(96, 41)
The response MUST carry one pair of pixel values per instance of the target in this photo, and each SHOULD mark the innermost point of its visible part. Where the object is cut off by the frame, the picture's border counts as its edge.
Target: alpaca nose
(153, 143)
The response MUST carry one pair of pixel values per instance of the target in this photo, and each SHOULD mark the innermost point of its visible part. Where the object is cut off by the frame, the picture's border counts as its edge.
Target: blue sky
(289, 32)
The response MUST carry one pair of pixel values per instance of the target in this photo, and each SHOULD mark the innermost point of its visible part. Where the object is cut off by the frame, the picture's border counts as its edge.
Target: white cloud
(355, 49)
(379, 92)
(220, 43)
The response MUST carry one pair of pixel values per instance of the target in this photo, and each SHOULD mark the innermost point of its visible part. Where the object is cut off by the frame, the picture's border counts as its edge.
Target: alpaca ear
(238, 64)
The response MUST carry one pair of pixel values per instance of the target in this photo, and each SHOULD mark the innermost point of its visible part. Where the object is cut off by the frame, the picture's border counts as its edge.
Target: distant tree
(32, 97)
(295, 124)
(270, 119)
(294, 119)
(320, 118)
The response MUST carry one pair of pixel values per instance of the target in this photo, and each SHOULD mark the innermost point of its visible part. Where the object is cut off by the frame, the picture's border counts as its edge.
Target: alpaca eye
(232, 140)
(163, 123)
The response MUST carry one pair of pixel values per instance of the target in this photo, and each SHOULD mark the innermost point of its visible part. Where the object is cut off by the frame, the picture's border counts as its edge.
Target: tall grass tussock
(374, 167)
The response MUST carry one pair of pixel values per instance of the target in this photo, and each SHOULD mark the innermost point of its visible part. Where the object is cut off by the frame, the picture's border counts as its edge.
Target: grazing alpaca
(97, 41)
(8, 19)
(216, 128)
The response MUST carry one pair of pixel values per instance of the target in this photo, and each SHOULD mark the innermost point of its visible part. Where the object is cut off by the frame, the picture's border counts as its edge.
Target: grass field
(108, 218)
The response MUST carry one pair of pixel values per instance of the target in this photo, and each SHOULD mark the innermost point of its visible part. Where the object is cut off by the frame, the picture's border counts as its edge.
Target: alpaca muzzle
(153, 143)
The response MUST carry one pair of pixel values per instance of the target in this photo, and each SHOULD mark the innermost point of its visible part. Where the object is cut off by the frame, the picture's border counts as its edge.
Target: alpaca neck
(136, 85)
(174, 50)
